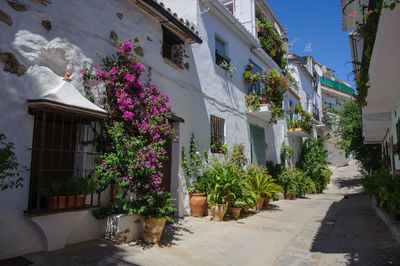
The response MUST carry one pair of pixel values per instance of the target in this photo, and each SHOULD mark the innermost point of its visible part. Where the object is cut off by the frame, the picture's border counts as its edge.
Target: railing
(298, 121)
(64, 155)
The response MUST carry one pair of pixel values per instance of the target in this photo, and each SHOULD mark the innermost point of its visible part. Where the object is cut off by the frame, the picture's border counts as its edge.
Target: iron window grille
(217, 134)
(63, 148)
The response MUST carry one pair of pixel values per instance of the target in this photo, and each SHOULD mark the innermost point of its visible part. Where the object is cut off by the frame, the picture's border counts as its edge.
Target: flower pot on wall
(52, 202)
(218, 212)
(235, 212)
(263, 100)
(260, 204)
(152, 229)
(197, 204)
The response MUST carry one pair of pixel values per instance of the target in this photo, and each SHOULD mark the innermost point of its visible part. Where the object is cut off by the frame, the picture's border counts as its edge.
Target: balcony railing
(299, 123)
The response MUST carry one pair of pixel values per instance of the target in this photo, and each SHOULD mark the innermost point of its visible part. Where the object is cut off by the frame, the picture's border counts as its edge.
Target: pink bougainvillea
(138, 126)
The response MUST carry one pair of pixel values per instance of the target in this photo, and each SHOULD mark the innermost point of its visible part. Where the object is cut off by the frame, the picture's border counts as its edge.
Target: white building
(47, 117)
(380, 115)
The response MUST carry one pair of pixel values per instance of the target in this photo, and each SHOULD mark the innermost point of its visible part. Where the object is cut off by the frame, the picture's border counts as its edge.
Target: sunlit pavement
(324, 229)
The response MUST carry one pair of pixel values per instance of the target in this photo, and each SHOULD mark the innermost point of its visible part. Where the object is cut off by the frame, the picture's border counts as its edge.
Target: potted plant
(56, 196)
(252, 102)
(250, 198)
(247, 76)
(291, 191)
(192, 164)
(236, 207)
(222, 182)
(263, 186)
(255, 78)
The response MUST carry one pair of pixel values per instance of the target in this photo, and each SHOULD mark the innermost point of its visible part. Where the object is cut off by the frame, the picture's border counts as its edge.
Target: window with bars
(217, 134)
(63, 158)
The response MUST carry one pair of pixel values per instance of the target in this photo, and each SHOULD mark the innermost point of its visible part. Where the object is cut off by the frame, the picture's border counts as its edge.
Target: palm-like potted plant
(263, 186)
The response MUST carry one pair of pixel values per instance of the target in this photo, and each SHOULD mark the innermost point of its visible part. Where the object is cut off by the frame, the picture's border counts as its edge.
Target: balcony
(299, 124)
(263, 113)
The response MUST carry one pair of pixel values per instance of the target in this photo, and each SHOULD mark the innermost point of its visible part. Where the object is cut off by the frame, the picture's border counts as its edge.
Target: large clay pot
(197, 204)
(260, 204)
(267, 201)
(152, 229)
(235, 212)
(52, 202)
(218, 212)
(81, 200)
(288, 196)
(293, 196)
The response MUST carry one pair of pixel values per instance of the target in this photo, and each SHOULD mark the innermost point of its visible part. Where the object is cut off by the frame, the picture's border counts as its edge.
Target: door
(257, 138)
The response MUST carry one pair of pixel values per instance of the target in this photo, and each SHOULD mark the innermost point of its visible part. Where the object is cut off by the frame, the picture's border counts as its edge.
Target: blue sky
(318, 22)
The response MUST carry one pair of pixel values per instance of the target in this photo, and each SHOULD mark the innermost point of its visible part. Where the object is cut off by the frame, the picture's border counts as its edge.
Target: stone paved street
(326, 229)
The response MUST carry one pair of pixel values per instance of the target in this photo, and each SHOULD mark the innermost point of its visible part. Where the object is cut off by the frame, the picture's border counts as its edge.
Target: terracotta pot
(288, 196)
(235, 212)
(52, 202)
(71, 202)
(81, 200)
(327, 181)
(264, 78)
(267, 201)
(218, 212)
(197, 204)
(293, 196)
(259, 28)
(246, 209)
(152, 229)
(260, 204)
(263, 101)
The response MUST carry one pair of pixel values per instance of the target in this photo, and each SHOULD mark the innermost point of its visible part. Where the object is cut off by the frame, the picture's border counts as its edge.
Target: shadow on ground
(352, 227)
(173, 232)
(348, 183)
(88, 253)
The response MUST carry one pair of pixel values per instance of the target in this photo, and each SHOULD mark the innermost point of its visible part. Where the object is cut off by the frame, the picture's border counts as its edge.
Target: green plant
(252, 102)
(270, 41)
(192, 164)
(257, 169)
(250, 197)
(237, 159)
(286, 151)
(291, 189)
(349, 132)
(275, 87)
(262, 185)
(313, 161)
(273, 169)
(112, 207)
(228, 67)
(304, 183)
(10, 176)
(220, 183)
(218, 146)
(254, 78)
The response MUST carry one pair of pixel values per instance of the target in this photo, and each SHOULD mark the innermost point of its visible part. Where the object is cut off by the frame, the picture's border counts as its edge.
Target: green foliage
(313, 161)
(257, 169)
(217, 146)
(386, 190)
(158, 205)
(10, 176)
(304, 184)
(220, 184)
(252, 102)
(237, 159)
(275, 87)
(286, 151)
(262, 185)
(274, 170)
(349, 132)
(250, 197)
(270, 41)
(113, 207)
(192, 164)
(72, 186)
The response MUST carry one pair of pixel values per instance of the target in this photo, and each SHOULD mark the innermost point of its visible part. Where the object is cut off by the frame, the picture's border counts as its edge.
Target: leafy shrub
(9, 167)
(262, 185)
(274, 169)
(257, 169)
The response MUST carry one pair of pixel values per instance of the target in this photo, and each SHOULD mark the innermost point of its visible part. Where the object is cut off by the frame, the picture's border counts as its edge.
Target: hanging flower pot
(197, 204)
(152, 229)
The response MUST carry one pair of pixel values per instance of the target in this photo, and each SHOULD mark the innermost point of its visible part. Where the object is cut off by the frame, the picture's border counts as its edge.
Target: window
(217, 134)
(221, 59)
(257, 87)
(63, 160)
(173, 48)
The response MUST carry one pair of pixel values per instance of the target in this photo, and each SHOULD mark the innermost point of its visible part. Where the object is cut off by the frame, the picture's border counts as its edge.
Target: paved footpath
(324, 229)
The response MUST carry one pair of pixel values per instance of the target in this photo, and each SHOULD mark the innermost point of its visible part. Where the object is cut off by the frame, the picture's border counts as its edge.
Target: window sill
(45, 212)
(171, 63)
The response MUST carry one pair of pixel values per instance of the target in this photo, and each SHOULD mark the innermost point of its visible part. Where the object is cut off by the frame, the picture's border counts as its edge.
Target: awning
(67, 98)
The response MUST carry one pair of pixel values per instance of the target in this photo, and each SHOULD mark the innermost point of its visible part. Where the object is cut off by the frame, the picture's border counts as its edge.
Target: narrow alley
(338, 227)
